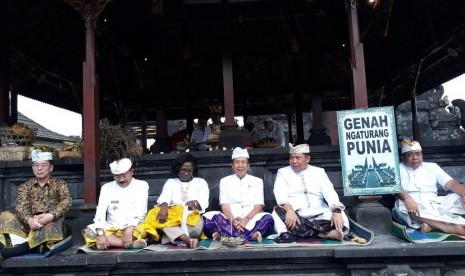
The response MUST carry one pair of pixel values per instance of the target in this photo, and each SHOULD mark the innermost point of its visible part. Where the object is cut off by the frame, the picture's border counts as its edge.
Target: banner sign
(369, 153)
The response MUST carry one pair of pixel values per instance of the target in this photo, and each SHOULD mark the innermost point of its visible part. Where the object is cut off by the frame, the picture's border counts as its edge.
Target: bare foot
(193, 243)
(138, 244)
(257, 236)
(425, 228)
(216, 236)
(333, 234)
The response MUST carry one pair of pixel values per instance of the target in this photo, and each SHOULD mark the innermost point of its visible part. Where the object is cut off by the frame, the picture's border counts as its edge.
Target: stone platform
(387, 255)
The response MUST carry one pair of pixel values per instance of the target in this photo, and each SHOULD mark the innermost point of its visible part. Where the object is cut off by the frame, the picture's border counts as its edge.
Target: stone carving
(434, 121)
(458, 107)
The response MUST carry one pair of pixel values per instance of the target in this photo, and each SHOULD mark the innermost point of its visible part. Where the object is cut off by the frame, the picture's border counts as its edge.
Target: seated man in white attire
(200, 134)
(120, 212)
(418, 205)
(271, 131)
(308, 205)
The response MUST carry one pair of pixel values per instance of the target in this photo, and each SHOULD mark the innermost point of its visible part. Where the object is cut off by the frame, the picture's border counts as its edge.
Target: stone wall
(435, 121)
(155, 169)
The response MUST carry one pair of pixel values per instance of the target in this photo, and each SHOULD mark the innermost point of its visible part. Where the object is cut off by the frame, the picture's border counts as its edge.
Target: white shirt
(277, 133)
(121, 207)
(289, 187)
(201, 136)
(421, 184)
(196, 189)
(242, 195)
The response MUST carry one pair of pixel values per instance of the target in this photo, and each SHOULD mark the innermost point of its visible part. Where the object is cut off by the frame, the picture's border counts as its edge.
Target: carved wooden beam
(89, 9)
(157, 7)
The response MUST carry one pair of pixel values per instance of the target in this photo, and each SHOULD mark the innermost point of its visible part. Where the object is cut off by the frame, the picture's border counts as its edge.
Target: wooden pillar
(228, 90)
(318, 134)
(369, 212)
(162, 124)
(360, 98)
(5, 96)
(143, 133)
(332, 128)
(415, 127)
(91, 115)
(298, 99)
(90, 11)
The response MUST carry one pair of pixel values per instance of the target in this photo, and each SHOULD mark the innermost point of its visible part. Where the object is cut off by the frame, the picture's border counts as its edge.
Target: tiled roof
(42, 132)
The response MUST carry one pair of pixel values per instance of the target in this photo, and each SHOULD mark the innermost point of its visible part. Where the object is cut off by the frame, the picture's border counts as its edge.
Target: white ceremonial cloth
(289, 188)
(242, 195)
(197, 189)
(422, 185)
(121, 207)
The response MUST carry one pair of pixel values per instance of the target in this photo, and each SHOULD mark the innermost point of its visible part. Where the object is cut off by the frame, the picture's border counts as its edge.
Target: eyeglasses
(40, 165)
(187, 171)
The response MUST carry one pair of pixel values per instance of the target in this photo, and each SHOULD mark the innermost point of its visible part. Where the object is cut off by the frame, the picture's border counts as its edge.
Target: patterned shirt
(52, 198)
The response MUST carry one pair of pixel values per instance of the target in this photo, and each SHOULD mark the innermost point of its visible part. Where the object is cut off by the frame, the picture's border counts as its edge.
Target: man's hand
(163, 213)
(127, 236)
(291, 219)
(34, 222)
(45, 218)
(101, 242)
(240, 223)
(412, 206)
(338, 222)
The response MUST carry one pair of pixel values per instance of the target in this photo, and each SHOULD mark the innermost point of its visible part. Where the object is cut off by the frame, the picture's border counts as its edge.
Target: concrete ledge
(386, 252)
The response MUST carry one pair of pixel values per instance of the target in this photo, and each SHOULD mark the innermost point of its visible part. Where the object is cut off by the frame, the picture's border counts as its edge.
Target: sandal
(285, 238)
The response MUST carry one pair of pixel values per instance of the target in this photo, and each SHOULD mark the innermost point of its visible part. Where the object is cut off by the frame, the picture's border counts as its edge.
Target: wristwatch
(100, 232)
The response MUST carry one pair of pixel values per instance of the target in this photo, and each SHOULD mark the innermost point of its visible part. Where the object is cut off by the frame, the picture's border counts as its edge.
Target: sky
(70, 123)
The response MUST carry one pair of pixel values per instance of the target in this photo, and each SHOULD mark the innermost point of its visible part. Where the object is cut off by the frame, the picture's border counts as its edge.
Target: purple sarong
(220, 224)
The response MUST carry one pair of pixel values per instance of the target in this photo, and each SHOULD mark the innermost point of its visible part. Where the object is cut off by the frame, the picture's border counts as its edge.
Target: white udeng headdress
(121, 166)
(238, 152)
(302, 148)
(41, 156)
(408, 145)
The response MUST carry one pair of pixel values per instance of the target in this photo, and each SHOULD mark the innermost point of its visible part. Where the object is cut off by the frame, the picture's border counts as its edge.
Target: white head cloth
(238, 152)
(408, 145)
(40, 156)
(268, 119)
(120, 166)
(302, 148)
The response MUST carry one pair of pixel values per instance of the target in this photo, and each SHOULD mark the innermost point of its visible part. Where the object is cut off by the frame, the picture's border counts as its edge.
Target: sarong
(306, 228)
(47, 236)
(222, 225)
(90, 235)
(447, 209)
(154, 228)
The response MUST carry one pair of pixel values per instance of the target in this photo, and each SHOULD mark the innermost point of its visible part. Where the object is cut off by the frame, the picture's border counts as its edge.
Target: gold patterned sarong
(90, 236)
(49, 234)
(154, 228)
